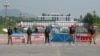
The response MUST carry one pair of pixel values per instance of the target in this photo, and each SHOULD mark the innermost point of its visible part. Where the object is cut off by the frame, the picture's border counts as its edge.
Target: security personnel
(15, 29)
(72, 33)
(47, 31)
(92, 31)
(9, 35)
(29, 32)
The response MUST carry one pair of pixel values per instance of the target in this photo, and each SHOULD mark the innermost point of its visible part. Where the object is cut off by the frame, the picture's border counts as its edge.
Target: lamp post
(6, 5)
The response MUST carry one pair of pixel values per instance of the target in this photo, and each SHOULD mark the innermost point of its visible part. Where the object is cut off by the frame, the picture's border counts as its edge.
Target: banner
(38, 37)
(18, 37)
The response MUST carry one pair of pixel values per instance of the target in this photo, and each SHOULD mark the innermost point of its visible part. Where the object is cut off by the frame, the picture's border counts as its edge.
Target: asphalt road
(52, 49)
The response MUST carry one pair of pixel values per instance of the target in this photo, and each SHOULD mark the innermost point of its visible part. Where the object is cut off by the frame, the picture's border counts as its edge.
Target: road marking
(58, 51)
(59, 44)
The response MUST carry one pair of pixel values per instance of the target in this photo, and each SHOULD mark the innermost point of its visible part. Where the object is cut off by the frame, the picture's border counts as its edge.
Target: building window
(42, 18)
(54, 18)
(66, 19)
(57, 18)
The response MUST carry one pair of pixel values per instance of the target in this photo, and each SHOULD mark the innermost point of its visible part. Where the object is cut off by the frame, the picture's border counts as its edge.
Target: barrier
(38, 37)
(61, 37)
(18, 38)
(82, 38)
(64, 37)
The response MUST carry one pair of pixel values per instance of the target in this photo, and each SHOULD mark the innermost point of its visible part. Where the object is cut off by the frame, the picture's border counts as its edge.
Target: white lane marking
(58, 51)
(59, 44)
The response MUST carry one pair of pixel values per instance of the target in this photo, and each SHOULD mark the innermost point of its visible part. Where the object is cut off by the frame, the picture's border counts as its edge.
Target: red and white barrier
(38, 37)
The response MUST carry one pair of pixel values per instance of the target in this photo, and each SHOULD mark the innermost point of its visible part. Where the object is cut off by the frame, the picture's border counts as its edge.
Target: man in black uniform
(47, 31)
(72, 33)
(15, 29)
(9, 35)
(92, 31)
(29, 32)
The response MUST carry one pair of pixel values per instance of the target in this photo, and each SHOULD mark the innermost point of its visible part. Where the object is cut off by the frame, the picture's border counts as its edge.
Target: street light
(6, 5)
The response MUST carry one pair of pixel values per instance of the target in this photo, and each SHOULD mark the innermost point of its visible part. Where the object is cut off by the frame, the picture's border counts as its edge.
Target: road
(52, 49)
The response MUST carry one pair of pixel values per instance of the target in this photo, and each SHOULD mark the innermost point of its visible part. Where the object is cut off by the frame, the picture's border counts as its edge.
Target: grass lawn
(1, 27)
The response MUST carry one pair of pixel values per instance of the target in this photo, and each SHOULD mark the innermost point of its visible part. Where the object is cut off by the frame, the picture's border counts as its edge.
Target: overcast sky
(37, 7)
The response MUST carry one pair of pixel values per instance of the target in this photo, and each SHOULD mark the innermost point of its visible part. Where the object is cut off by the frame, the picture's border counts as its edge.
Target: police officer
(47, 31)
(15, 29)
(72, 33)
(92, 31)
(29, 32)
(9, 35)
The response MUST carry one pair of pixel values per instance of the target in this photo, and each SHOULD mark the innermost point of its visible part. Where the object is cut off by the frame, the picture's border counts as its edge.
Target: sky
(37, 7)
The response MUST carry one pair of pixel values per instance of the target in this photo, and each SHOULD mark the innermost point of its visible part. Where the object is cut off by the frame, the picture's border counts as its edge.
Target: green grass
(1, 27)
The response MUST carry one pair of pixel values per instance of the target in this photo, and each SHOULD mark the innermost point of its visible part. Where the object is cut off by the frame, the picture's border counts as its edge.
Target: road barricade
(18, 38)
(38, 37)
(82, 38)
(61, 37)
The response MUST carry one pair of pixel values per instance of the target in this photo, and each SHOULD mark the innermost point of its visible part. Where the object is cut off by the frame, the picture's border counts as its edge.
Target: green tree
(89, 18)
(92, 18)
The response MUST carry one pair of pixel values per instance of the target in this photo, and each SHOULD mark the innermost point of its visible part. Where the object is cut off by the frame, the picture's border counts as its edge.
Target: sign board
(38, 37)
(18, 36)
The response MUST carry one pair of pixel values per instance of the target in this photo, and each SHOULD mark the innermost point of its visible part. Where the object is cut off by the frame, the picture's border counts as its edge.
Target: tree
(88, 19)
(92, 19)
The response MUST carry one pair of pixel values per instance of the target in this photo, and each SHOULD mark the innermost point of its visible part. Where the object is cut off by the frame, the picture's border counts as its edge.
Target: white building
(56, 17)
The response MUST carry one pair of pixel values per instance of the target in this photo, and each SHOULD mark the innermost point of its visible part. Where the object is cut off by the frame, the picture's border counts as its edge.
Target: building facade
(56, 17)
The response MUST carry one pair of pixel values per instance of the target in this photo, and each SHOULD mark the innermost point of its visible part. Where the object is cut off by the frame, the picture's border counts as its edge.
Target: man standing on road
(72, 33)
(10, 35)
(92, 31)
(29, 33)
(47, 31)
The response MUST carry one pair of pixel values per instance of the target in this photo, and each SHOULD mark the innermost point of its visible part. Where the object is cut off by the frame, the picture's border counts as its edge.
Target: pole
(6, 5)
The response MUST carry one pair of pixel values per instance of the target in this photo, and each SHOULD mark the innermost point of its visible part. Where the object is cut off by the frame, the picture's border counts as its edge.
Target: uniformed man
(29, 32)
(15, 29)
(92, 31)
(10, 35)
(72, 33)
(47, 31)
